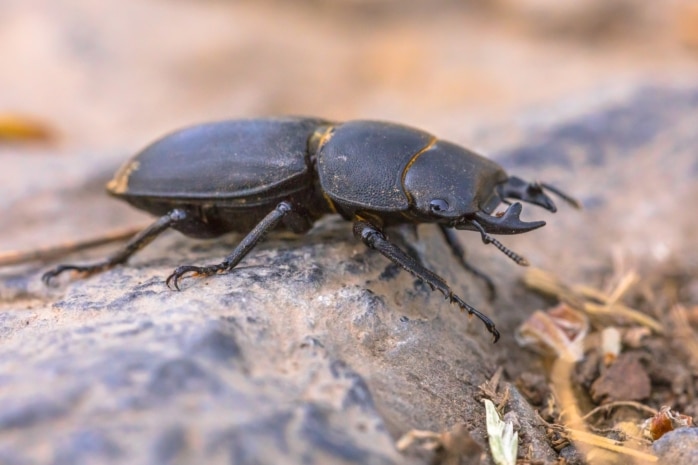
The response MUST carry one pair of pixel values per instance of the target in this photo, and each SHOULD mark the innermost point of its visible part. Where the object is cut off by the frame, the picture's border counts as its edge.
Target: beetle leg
(410, 236)
(375, 239)
(138, 241)
(459, 252)
(268, 223)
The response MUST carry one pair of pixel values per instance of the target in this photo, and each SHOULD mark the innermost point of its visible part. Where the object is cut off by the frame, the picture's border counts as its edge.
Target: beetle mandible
(255, 175)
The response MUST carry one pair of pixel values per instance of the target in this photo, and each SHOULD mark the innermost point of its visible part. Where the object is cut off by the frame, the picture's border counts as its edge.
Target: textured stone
(678, 447)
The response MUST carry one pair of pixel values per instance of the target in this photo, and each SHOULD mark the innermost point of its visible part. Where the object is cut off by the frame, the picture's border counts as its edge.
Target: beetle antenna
(487, 239)
(566, 197)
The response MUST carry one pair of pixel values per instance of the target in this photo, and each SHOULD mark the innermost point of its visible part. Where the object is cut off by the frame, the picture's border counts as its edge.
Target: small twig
(620, 403)
(626, 282)
(16, 257)
(618, 310)
(684, 336)
(409, 438)
(489, 388)
(546, 283)
(606, 304)
(608, 444)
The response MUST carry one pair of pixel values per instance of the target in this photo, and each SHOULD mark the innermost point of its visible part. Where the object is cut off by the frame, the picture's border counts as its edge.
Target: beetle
(256, 175)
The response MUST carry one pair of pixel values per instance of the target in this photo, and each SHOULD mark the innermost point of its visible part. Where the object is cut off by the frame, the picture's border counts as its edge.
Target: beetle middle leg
(268, 223)
(375, 239)
(459, 252)
(138, 241)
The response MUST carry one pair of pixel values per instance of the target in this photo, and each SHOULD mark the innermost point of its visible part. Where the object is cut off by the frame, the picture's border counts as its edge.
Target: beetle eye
(438, 205)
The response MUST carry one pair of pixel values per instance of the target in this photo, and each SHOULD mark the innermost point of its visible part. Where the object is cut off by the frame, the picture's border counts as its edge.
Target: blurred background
(113, 75)
(85, 84)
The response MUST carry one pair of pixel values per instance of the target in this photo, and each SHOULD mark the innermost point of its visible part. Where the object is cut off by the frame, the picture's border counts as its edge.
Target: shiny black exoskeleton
(254, 175)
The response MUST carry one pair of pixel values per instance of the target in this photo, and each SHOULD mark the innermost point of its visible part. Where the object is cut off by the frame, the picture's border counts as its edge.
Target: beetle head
(450, 185)
(445, 183)
(509, 221)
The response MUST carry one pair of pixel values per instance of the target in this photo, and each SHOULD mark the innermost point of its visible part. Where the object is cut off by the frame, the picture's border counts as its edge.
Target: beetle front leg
(138, 241)
(268, 223)
(375, 239)
(459, 252)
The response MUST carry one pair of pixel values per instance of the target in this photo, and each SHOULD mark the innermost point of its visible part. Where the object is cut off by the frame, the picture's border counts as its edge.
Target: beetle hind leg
(375, 239)
(136, 243)
(268, 223)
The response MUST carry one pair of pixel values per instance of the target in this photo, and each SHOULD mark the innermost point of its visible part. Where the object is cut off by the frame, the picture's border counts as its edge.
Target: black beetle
(255, 175)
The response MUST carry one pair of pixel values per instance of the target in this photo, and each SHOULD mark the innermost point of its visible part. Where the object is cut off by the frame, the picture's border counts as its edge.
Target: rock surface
(317, 350)
(679, 447)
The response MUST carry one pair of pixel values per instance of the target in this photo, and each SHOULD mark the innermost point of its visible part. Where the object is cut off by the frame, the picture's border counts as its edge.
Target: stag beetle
(256, 175)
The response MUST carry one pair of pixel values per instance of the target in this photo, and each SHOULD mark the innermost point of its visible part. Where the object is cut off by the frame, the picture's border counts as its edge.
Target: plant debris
(605, 356)
(664, 421)
(560, 331)
(596, 304)
(15, 127)
(504, 442)
(625, 379)
(449, 447)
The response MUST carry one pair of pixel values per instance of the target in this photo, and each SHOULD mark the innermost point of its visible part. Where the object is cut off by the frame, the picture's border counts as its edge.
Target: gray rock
(678, 447)
(315, 349)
